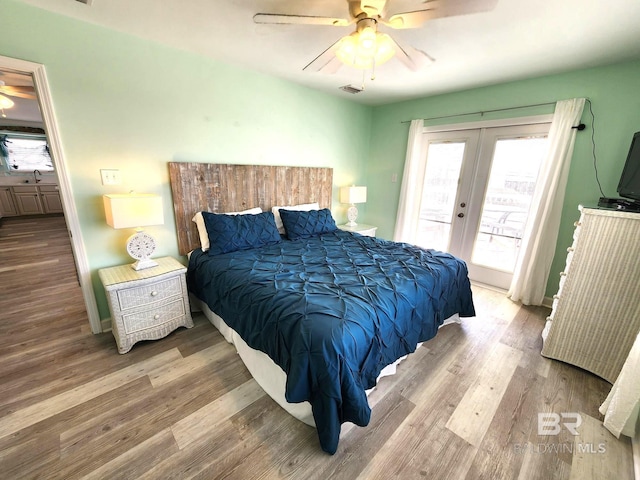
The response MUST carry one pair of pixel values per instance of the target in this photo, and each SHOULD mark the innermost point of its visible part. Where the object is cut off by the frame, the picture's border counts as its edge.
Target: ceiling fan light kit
(5, 102)
(367, 48)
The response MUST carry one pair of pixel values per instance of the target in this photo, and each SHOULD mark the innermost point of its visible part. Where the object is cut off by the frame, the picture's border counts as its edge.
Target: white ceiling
(518, 39)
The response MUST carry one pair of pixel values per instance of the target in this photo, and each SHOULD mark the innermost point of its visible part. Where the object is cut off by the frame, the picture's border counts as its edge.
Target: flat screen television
(629, 185)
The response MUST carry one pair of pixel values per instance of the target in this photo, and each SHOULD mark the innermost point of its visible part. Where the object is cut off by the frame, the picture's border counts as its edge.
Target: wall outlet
(111, 177)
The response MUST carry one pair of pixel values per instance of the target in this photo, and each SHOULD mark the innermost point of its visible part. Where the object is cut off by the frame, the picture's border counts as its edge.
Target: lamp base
(144, 263)
(352, 214)
(140, 246)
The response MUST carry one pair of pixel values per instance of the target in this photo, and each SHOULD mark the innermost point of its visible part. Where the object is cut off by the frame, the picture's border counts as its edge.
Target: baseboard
(488, 287)
(546, 302)
(105, 324)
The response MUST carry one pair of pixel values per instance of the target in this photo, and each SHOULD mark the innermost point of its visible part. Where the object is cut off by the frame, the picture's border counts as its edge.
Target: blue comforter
(332, 311)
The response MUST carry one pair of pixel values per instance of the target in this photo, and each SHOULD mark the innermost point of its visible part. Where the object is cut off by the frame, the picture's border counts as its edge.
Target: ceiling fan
(6, 91)
(366, 48)
(27, 92)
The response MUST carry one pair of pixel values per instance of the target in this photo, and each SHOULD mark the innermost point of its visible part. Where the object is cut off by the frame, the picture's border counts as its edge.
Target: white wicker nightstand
(146, 304)
(361, 228)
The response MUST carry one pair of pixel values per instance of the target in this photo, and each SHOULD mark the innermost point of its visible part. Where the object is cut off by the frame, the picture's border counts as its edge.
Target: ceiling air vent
(351, 89)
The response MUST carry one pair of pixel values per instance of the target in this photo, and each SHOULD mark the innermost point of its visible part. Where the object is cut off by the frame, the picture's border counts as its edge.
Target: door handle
(460, 215)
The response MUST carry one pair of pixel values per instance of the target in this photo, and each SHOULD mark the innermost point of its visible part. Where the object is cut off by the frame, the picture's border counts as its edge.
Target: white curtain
(541, 232)
(411, 191)
(621, 407)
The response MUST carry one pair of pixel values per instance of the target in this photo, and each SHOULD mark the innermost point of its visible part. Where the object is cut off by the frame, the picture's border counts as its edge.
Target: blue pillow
(228, 233)
(301, 224)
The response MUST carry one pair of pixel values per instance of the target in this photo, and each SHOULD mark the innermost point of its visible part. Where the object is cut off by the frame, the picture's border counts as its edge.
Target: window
(25, 153)
(477, 190)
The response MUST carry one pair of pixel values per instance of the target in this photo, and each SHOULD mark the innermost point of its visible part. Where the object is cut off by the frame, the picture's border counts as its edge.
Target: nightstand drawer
(148, 294)
(154, 317)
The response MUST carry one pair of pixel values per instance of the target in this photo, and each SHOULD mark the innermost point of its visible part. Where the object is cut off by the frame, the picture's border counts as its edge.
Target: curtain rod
(485, 111)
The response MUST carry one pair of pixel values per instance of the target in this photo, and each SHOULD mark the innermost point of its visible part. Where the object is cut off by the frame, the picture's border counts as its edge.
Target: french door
(477, 191)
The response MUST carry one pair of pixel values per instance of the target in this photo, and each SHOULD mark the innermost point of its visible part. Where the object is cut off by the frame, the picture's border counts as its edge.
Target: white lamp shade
(353, 194)
(133, 210)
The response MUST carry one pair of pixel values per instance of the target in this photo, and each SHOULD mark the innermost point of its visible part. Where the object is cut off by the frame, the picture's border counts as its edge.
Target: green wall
(615, 97)
(133, 105)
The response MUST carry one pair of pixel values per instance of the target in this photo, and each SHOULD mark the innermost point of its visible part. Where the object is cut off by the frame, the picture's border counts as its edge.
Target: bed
(331, 309)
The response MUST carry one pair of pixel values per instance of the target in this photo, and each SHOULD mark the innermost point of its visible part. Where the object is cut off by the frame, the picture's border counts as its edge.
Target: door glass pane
(440, 186)
(514, 170)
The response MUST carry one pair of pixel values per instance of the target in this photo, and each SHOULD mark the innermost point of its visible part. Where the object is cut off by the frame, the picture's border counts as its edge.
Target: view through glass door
(477, 192)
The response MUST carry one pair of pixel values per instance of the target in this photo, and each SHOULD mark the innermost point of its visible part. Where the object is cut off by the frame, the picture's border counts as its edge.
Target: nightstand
(146, 304)
(361, 228)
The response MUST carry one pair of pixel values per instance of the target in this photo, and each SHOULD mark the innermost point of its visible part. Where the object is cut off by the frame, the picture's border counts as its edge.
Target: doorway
(45, 105)
(477, 190)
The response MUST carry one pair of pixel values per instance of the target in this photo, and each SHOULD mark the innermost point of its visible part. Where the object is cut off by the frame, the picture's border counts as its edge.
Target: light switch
(110, 177)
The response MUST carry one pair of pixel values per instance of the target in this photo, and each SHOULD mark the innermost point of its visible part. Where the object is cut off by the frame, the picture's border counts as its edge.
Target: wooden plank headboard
(219, 188)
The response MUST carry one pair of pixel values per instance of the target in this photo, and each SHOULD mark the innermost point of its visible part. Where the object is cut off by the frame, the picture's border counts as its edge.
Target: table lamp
(353, 195)
(135, 210)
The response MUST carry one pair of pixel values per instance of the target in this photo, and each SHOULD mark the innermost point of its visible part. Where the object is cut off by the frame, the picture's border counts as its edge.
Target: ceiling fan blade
(326, 62)
(332, 66)
(450, 8)
(20, 92)
(373, 7)
(285, 19)
(412, 58)
(439, 9)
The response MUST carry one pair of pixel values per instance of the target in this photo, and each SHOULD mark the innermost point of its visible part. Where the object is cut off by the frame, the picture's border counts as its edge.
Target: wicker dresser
(146, 304)
(596, 313)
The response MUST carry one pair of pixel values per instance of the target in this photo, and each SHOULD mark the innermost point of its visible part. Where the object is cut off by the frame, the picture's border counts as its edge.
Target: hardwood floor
(464, 406)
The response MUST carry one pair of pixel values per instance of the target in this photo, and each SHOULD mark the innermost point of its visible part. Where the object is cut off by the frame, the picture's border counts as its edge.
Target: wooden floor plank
(476, 410)
(414, 435)
(138, 460)
(39, 264)
(501, 453)
(63, 401)
(591, 445)
(220, 451)
(204, 422)
(173, 371)
(24, 459)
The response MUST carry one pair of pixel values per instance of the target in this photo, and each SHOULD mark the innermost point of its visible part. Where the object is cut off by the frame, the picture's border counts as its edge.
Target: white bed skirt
(270, 376)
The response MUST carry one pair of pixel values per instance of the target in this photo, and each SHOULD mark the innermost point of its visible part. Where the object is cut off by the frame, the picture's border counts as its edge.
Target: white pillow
(198, 219)
(303, 207)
